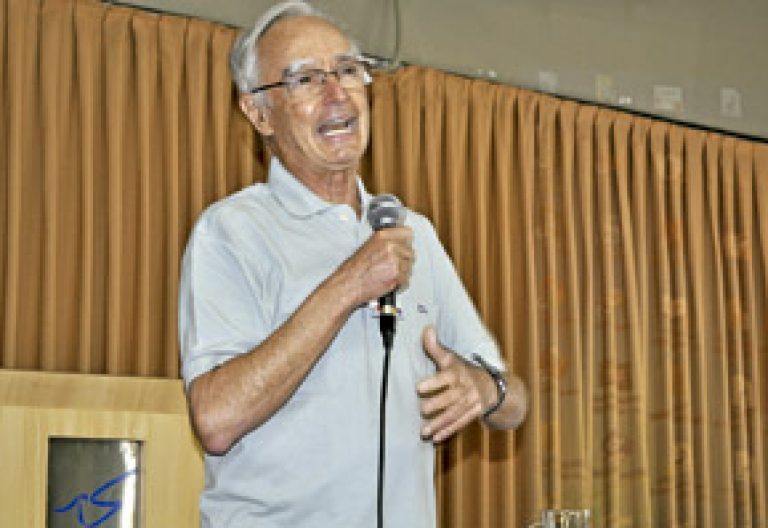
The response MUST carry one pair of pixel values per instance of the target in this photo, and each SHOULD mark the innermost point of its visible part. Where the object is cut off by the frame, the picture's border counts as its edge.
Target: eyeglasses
(351, 75)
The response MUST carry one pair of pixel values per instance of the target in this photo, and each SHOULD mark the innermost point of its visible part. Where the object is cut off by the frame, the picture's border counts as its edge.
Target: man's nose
(332, 89)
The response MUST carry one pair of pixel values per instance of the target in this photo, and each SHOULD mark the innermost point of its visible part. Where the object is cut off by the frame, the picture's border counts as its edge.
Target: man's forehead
(301, 39)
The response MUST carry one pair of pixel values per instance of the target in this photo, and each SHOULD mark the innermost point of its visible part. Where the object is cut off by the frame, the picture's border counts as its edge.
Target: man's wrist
(499, 382)
(342, 290)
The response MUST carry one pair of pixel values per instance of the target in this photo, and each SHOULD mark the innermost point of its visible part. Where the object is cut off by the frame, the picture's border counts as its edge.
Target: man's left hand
(457, 394)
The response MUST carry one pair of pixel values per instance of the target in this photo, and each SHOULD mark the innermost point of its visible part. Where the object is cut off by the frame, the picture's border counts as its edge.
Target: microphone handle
(387, 318)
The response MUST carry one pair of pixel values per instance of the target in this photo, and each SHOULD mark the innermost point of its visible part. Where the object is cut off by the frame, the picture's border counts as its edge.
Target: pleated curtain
(620, 261)
(118, 128)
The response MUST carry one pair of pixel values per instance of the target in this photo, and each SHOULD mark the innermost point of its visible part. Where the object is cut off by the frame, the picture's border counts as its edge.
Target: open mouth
(337, 127)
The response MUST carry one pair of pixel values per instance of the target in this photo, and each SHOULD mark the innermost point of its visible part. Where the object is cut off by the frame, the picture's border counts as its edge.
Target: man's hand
(457, 394)
(381, 265)
(228, 402)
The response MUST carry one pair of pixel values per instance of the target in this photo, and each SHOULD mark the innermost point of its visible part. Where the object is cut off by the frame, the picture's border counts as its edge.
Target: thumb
(434, 349)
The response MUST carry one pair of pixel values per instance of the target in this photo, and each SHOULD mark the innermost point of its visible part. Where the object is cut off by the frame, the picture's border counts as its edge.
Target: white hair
(243, 58)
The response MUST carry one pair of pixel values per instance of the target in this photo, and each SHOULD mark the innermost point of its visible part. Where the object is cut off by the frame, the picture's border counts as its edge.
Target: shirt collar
(297, 198)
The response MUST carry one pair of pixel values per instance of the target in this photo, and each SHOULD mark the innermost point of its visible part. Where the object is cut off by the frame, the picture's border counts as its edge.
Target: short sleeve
(220, 313)
(459, 326)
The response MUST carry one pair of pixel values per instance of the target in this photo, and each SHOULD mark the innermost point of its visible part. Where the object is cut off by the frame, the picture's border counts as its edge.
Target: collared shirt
(251, 260)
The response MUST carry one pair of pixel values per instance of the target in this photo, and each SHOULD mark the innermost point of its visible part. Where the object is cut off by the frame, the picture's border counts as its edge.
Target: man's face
(322, 133)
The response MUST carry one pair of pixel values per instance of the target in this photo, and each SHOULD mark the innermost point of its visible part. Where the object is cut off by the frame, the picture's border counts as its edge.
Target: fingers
(403, 234)
(451, 398)
(436, 403)
(439, 354)
(441, 381)
(395, 241)
(448, 412)
(381, 265)
(392, 258)
(438, 432)
(397, 250)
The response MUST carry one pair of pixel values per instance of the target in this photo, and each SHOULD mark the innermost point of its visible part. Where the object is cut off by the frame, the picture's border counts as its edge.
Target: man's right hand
(228, 402)
(381, 265)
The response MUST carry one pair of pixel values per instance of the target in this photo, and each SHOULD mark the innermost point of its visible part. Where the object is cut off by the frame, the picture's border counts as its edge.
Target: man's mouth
(337, 127)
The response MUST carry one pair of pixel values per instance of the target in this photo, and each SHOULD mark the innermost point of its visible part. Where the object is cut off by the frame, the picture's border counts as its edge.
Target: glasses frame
(325, 73)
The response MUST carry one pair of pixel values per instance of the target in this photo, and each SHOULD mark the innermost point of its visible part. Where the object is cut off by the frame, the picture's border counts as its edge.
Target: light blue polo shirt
(251, 260)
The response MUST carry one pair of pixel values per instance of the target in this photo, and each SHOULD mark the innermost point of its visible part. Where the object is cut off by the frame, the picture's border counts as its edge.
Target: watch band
(498, 379)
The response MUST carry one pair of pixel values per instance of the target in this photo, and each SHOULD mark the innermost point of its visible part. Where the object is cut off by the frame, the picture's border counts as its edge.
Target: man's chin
(345, 160)
(343, 166)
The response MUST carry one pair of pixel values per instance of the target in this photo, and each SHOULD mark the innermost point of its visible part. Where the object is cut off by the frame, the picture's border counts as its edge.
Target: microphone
(385, 211)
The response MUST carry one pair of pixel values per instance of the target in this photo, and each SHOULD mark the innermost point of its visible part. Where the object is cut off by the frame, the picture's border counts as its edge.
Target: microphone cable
(384, 211)
(387, 338)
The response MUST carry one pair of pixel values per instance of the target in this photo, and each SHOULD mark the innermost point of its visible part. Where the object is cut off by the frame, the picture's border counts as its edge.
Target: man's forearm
(229, 401)
(243, 393)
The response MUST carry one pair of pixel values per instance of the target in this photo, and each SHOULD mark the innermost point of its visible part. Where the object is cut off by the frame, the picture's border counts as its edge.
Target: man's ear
(256, 113)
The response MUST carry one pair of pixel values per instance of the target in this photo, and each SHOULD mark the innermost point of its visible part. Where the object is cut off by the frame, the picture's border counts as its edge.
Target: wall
(698, 61)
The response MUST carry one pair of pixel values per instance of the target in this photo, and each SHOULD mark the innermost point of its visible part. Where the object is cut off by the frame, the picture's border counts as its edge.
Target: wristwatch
(498, 379)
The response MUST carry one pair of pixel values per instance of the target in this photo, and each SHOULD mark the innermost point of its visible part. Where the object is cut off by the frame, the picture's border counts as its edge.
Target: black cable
(387, 323)
(385, 211)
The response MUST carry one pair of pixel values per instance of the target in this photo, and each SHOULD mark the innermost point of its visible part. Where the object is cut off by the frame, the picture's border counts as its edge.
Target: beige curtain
(621, 262)
(118, 127)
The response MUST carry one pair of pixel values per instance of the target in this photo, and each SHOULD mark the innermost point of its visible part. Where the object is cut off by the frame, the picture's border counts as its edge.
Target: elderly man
(280, 342)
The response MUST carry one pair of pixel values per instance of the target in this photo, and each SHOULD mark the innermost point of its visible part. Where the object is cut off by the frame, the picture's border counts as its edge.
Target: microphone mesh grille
(385, 211)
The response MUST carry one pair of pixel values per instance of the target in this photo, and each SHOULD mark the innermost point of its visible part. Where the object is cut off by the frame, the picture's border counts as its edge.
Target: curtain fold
(621, 262)
(118, 127)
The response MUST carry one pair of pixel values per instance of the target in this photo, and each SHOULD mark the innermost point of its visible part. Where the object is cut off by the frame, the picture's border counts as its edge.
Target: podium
(52, 420)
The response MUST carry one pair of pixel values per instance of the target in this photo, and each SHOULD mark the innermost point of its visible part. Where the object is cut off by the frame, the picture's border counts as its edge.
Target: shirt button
(343, 217)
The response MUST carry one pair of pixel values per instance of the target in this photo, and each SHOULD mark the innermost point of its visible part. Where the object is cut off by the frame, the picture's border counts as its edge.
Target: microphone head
(384, 211)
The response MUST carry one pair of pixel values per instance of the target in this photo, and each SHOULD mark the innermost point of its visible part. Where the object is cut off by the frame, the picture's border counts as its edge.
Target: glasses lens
(308, 83)
(351, 74)
(304, 82)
